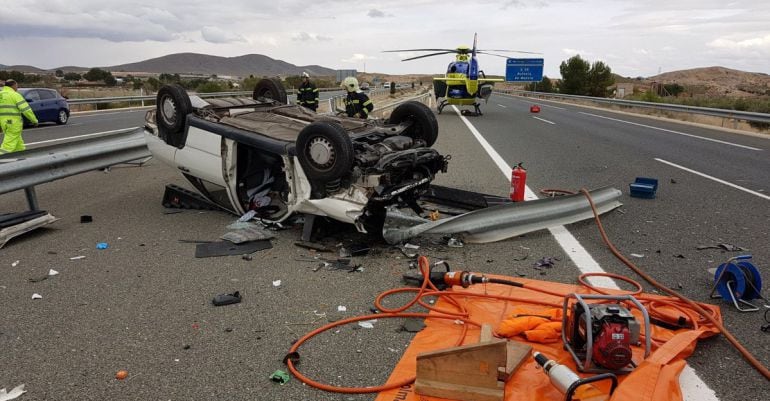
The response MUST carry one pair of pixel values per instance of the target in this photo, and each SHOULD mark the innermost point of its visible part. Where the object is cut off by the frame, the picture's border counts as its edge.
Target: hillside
(717, 81)
(243, 66)
(27, 69)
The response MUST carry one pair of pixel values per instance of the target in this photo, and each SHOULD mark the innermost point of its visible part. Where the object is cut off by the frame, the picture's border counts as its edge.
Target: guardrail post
(31, 198)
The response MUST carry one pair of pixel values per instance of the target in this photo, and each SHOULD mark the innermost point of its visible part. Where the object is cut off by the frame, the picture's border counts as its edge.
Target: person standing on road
(357, 104)
(307, 94)
(12, 108)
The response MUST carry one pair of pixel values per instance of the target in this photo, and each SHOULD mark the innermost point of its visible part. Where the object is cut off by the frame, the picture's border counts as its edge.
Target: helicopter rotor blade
(492, 54)
(428, 55)
(420, 50)
(509, 51)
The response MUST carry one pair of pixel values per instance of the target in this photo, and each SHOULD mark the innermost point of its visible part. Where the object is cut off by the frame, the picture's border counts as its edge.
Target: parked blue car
(48, 105)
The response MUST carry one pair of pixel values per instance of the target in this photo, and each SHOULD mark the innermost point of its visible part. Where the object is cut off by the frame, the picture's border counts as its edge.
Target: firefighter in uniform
(357, 104)
(307, 94)
(12, 107)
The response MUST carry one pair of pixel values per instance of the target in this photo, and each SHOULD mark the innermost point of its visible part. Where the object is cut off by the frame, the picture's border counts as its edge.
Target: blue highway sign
(524, 70)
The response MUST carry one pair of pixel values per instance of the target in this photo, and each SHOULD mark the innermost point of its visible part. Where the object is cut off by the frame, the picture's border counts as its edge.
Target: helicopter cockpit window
(458, 68)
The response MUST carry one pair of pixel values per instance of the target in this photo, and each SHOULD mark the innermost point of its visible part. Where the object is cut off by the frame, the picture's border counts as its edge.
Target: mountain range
(201, 64)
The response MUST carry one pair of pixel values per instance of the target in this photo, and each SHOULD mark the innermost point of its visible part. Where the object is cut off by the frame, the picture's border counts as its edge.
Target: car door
(33, 98)
(48, 105)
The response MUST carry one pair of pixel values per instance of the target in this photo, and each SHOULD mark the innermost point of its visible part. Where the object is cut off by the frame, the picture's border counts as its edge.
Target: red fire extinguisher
(518, 181)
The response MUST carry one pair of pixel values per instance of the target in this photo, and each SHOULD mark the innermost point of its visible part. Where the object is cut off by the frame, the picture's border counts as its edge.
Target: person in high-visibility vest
(357, 104)
(12, 107)
(307, 94)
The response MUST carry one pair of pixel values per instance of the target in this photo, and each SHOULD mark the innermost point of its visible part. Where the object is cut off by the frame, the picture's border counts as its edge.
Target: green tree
(674, 89)
(152, 84)
(59, 73)
(137, 83)
(574, 75)
(109, 80)
(210, 87)
(96, 74)
(599, 78)
(72, 76)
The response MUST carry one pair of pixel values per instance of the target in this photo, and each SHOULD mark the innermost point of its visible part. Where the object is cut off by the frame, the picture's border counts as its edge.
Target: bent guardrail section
(723, 113)
(22, 170)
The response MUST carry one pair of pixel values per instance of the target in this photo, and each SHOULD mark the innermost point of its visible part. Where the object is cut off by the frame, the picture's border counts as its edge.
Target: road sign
(524, 70)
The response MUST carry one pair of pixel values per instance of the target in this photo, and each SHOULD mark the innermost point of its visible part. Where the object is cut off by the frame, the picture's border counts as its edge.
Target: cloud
(375, 13)
(216, 35)
(308, 37)
(524, 4)
(358, 57)
(761, 43)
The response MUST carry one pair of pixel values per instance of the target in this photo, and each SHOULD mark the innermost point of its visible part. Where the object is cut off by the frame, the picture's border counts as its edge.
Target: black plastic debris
(313, 245)
(226, 248)
(86, 219)
(413, 325)
(227, 299)
(547, 262)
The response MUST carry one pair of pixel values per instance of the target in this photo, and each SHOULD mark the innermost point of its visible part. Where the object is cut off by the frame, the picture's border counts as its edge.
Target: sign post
(524, 70)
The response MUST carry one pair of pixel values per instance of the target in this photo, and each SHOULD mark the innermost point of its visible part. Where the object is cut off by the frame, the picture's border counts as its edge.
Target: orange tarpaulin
(656, 379)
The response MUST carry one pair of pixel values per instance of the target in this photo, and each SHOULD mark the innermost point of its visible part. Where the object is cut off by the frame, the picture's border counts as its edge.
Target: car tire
(270, 88)
(424, 124)
(171, 110)
(63, 117)
(325, 151)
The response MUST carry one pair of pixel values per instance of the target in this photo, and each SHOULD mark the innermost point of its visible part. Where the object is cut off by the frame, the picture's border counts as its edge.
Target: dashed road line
(544, 120)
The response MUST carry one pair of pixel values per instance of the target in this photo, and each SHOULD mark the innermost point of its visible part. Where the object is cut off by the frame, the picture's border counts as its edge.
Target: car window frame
(31, 95)
(49, 92)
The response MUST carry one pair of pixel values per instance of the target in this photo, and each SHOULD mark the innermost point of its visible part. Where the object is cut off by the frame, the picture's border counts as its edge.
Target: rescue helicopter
(464, 83)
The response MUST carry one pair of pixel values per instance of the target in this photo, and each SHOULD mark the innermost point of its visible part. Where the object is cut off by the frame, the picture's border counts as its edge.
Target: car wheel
(270, 88)
(325, 151)
(424, 124)
(63, 117)
(172, 107)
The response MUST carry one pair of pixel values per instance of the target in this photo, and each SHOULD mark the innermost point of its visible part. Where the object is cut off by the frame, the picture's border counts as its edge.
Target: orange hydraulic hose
(756, 364)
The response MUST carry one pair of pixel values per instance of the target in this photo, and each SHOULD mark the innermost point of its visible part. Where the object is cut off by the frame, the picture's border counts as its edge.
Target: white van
(386, 85)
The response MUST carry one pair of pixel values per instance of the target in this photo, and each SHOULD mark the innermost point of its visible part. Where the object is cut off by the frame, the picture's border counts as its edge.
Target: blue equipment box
(644, 187)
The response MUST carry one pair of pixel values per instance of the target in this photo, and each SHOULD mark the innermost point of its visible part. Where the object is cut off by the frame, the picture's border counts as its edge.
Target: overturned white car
(260, 154)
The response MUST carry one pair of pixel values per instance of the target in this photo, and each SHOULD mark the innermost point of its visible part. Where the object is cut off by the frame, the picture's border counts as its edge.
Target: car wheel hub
(321, 152)
(62, 116)
(169, 110)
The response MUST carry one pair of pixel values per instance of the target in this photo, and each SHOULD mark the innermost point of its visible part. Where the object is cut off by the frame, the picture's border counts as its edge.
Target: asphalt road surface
(143, 304)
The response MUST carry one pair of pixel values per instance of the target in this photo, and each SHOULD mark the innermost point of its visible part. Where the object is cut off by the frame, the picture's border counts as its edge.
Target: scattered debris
(86, 219)
(121, 374)
(673, 181)
(13, 394)
(367, 324)
(547, 262)
(227, 299)
(37, 296)
(413, 325)
(77, 257)
(411, 246)
(14, 264)
(186, 346)
(680, 256)
(51, 272)
(248, 216)
(405, 250)
(102, 245)
(313, 245)
(247, 257)
(226, 248)
(172, 211)
(354, 250)
(723, 246)
(637, 255)
(253, 232)
(277, 283)
(454, 243)
(279, 377)
(342, 308)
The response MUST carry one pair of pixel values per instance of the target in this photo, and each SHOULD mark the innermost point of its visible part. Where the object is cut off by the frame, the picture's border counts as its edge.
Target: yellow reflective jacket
(13, 106)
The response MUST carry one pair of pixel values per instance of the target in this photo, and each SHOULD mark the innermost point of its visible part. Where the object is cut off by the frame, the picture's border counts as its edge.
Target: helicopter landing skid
(476, 109)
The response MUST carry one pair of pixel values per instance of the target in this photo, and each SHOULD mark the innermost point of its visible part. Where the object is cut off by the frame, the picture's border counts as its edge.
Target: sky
(634, 37)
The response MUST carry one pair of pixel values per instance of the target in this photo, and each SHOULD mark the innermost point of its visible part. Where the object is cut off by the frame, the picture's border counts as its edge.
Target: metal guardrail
(723, 113)
(24, 170)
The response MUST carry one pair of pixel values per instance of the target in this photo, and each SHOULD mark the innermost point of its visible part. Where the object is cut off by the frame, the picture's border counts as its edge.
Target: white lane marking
(52, 126)
(693, 387)
(729, 184)
(502, 105)
(544, 120)
(80, 136)
(672, 131)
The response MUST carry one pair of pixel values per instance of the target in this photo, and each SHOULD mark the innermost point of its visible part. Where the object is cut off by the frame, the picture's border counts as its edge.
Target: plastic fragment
(279, 377)
(342, 308)
(102, 245)
(52, 272)
(277, 283)
(37, 296)
(14, 264)
(13, 394)
(77, 257)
